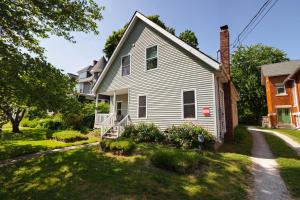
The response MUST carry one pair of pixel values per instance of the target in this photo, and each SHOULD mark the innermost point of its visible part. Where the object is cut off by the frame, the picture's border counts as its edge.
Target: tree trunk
(15, 126)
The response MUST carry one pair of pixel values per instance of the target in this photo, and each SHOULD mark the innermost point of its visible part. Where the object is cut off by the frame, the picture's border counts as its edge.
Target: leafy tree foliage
(190, 38)
(113, 40)
(27, 80)
(246, 75)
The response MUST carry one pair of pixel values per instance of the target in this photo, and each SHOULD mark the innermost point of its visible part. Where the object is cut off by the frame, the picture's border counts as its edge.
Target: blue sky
(280, 28)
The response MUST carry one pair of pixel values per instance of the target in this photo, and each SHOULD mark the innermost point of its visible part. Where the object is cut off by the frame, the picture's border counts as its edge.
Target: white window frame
(129, 64)
(182, 103)
(157, 53)
(279, 85)
(138, 106)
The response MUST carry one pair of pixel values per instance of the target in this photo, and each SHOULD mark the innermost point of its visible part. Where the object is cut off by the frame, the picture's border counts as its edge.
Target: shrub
(240, 133)
(186, 136)
(120, 146)
(103, 107)
(143, 133)
(69, 136)
(177, 160)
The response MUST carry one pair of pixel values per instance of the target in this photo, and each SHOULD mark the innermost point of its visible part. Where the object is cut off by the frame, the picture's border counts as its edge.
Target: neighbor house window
(189, 104)
(142, 106)
(151, 57)
(280, 89)
(125, 65)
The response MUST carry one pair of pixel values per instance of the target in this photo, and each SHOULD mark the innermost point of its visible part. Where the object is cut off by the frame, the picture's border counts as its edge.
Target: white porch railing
(100, 118)
(124, 122)
(107, 124)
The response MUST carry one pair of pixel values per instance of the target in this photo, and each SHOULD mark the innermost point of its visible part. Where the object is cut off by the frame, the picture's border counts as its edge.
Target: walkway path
(268, 183)
(292, 143)
(33, 155)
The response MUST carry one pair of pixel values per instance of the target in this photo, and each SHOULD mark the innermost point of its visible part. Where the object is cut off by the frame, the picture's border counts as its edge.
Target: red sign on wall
(206, 111)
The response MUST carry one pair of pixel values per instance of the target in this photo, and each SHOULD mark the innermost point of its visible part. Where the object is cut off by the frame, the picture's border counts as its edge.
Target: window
(142, 107)
(119, 108)
(82, 75)
(280, 89)
(189, 104)
(151, 57)
(125, 65)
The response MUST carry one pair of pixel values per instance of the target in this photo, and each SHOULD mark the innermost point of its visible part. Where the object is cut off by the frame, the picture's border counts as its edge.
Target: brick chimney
(225, 61)
(224, 48)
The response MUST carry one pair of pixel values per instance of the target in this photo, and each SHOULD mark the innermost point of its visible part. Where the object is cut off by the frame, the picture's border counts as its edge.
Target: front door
(284, 115)
(119, 111)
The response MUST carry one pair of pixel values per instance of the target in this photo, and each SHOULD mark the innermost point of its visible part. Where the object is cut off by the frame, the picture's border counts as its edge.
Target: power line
(259, 20)
(255, 19)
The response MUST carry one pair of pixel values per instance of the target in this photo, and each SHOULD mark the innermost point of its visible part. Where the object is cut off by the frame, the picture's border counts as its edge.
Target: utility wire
(241, 38)
(262, 8)
(259, 20)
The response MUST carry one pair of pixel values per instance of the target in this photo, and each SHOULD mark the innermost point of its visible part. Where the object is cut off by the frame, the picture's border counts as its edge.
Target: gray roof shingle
(282, 68)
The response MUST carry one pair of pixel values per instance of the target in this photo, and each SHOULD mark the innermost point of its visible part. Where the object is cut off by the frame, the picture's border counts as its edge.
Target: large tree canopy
(189, 37)
(27, 80)
(246, 78)
(113, 40)
(22, 23)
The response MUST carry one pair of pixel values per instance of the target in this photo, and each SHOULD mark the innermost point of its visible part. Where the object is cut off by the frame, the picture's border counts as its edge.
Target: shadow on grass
(88, 174)
(289, 163)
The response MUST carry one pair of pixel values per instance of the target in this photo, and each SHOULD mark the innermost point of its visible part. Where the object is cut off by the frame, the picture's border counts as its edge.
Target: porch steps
(112, 134)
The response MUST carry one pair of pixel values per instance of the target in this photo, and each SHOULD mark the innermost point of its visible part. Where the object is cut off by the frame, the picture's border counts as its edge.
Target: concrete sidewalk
(289, 141)
(37, 154)
(268, 183)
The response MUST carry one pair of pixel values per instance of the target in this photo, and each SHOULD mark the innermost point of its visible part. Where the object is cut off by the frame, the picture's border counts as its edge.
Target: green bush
(51, 122)
(120, 146)
(143, 133)
(186, 136)
(177, 160)
(103, 107)
(240, 133)
(68, 136)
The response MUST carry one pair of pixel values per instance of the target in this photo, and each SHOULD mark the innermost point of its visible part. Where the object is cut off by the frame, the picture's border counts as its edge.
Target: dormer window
(151, 57)
(280, 89)
(125, 65)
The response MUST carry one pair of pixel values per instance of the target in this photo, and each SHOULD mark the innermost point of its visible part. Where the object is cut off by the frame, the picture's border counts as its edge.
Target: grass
(31, 140)
(294, 134)
(90, 174)
(289, 163)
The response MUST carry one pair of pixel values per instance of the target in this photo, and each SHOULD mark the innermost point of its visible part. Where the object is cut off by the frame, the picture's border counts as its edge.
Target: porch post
(96, 103)
(114, 102)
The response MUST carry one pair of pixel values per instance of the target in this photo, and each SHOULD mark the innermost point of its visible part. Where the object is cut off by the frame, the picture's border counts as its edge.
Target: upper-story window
(151, 57)
(125, 65)
(83, 75)
(280, 89)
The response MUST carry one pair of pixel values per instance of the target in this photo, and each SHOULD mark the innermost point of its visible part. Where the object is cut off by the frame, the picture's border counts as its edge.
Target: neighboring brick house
(282, 81)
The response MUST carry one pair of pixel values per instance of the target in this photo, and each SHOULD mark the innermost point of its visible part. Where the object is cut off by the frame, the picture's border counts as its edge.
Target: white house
(154, 77)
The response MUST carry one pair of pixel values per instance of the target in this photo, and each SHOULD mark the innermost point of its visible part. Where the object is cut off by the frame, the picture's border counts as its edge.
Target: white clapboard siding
(177, 70)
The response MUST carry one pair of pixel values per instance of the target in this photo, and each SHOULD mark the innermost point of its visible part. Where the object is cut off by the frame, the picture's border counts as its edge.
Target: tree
(27, 80)
(246, 75)
(113, 40)
(190, 38)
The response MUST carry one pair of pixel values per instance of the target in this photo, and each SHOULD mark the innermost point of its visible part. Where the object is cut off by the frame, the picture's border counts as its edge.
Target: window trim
(157, 57)
(278, 85)
(129, 65)
(182, 104)
(138, 106)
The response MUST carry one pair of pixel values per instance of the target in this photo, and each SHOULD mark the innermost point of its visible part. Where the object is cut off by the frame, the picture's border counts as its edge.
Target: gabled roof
(278, 69)
(88, 68)
(100, 65)
(138, 16)
(281, 68)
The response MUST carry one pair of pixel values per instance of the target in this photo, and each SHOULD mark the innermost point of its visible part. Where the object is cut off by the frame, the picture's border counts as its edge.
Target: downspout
(297, 103)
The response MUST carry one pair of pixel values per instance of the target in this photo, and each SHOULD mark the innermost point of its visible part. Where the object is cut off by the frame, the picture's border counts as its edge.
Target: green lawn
(294, 134)
(289, 163)
(90, 174)
(29, 141)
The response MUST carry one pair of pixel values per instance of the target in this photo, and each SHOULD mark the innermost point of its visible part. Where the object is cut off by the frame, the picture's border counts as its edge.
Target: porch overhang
(117, 92)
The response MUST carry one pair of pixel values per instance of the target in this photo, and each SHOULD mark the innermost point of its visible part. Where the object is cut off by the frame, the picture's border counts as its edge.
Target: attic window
(280, 89)
(125, 65)
(151, 57)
